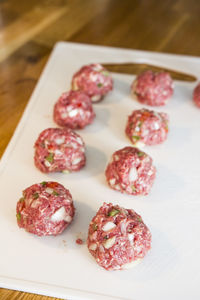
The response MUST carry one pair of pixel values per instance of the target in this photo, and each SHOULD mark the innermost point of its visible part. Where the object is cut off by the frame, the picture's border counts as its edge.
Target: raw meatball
(147, 127)
(196, 95)
(74, 110)
(131, 171)
(117, 237)
(59, 150)
(153, 89)
(46, 208)
(94, 80)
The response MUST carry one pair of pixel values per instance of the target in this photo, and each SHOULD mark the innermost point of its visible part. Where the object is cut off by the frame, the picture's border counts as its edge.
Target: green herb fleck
(113, 212)
(43, 183)
(105, 237)
(139, 219)
(105, 73)
(55, 193)
(35, 195)
(21, 199)
(140, 153)
(50, 157)
(18, 215)
(99, 85)
(139, 124)
(94, 226)
(136, 137)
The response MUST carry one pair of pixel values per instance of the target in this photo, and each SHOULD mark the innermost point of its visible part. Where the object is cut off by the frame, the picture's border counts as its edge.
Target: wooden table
(29, 29)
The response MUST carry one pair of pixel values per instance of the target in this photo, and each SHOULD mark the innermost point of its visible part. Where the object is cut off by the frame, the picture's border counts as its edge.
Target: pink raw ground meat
(146, 127)
(94, 80)
(74, 110)
(153, 89)
(131, 171)
(58, 149)
(196, 95)
(118, 237)
(46, 208)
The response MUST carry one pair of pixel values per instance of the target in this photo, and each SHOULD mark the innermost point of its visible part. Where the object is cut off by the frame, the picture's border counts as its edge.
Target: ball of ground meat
(74, 110)
(118, 237)
(146, 127)
(196, 95)
(46, 208)
(94, 80)
(131, 171)
(59, 150)
(153, 89)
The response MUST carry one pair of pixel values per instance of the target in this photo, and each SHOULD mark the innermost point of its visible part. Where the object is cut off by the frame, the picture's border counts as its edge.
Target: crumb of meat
(79, 241)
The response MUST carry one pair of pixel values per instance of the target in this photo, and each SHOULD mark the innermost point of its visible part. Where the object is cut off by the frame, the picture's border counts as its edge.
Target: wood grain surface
(30, 28)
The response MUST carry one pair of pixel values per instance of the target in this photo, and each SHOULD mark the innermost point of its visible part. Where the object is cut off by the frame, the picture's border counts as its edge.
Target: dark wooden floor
(30, 28)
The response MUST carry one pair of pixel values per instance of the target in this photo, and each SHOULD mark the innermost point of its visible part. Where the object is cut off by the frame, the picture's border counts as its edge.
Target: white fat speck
(96, 98)
(133, 175)
(137, 249)
(80, 111)
(131, 264)
(97, 67)
(110, 242)
(123, 228)
(61, 215)
(112, 181)
(73, 145)
(146, 132)
(68, 218)
(101, 248)
(47, 163)
(150, 172)
(69, 108)
(35, 203)
(79, 140)
(106, 83)
(108, 226)
(116, 157)
(139, 144)
(117, 187)
(49, 190)
(64, 115)
(73, 113)
(58, 152)
(156, 126)
(59, 141)
(76, 161)
(46, 142)
(93, 247)
(131, 238)
(93, 77)
(117, 268)
(137, 129)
